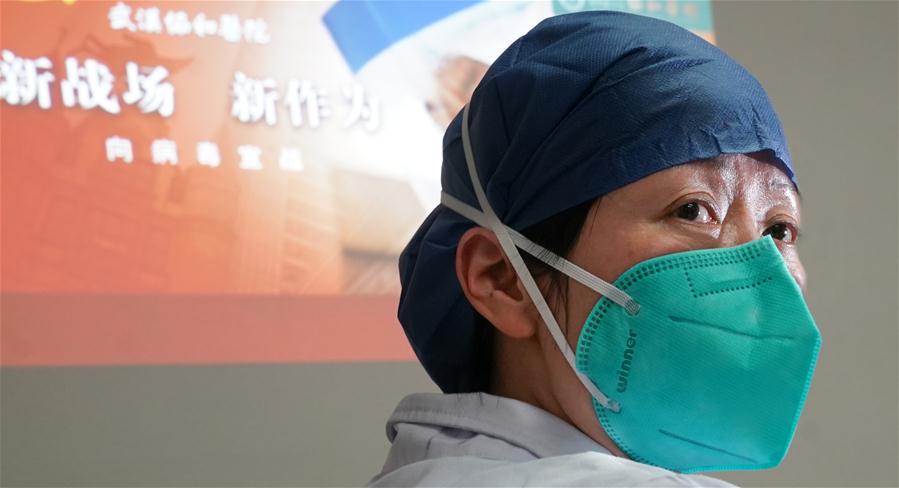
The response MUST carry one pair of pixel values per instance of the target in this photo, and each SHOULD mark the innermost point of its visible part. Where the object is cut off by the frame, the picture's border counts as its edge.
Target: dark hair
(557, 234)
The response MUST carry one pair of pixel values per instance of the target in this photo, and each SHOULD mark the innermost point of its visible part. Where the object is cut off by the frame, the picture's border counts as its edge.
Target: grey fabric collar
(518, 423)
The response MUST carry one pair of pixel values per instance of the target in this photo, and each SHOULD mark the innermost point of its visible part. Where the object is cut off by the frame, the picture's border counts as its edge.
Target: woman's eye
(782, 232)
(694, 212)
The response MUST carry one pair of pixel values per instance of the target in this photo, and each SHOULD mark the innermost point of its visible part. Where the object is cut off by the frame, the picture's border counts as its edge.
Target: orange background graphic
(109, 262)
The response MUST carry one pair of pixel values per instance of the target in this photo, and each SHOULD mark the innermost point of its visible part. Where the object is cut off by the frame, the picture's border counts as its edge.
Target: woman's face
(724, 202)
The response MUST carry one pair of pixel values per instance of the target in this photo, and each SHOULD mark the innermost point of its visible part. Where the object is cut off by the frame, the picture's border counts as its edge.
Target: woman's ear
(491, 285)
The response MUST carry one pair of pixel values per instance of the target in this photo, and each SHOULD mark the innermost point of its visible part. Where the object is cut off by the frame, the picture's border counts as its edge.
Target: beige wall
(831, 69)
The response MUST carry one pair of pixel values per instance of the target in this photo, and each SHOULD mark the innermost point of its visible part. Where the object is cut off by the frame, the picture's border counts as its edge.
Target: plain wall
(831, 71)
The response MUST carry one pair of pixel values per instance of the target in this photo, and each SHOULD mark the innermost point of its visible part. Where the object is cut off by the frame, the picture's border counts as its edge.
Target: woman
(647, 322)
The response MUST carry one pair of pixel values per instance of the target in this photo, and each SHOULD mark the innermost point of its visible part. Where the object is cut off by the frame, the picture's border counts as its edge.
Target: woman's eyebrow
(777, 185)
(783, 185)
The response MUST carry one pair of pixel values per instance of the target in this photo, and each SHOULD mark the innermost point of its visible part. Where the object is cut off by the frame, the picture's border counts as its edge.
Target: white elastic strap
(550, 258)
(487, 218)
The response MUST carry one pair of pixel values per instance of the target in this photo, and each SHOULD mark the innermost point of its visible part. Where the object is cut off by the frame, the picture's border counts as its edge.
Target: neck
(519, 372)
(522, 371)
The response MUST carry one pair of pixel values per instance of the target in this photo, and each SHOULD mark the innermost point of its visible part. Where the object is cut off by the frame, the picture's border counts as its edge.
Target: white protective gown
(477, 439)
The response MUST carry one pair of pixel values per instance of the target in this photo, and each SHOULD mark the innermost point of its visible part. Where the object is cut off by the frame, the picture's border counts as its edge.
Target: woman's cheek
(655, 243)
(797, 270)
(790, 255)
(580, 303)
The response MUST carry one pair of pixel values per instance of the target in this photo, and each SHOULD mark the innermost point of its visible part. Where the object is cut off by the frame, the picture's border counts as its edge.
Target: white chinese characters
(119, 148)
(22, 80)
(89, 85)
(148, 89)
(164, 152)
(306, 103)
(291, 159)
(364, 108)
(150, 20)
(253, 100)
(250, 157)
(208, 154)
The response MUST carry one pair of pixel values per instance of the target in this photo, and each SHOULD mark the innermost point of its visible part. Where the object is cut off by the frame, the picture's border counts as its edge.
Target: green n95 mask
(696, 361)
(712, 372)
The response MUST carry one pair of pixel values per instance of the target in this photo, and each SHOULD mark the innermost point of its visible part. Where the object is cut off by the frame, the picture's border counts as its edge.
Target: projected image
(190, 148)
(220, 149)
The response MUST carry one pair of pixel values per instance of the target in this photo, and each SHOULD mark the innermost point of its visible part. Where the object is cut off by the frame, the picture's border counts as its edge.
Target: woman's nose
(738, 228)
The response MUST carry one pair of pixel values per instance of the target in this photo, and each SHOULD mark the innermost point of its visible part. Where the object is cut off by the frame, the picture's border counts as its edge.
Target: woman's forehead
(730, 174)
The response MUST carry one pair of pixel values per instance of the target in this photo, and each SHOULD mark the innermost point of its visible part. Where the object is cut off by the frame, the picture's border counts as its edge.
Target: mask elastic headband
(509, 239)
(548, 257)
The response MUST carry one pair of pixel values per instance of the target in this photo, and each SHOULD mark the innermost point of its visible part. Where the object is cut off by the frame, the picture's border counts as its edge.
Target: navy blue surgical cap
(582, 104)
